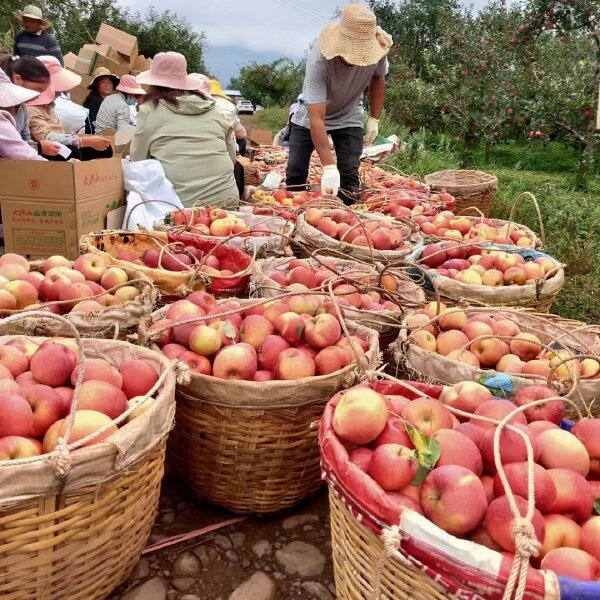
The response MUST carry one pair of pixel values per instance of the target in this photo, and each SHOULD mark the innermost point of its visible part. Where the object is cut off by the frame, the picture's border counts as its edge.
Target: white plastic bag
(150, 194)
(71, 115)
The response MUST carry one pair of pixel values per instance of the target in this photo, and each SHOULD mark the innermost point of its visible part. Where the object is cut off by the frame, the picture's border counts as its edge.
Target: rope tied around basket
(391, 539)
(60, 459)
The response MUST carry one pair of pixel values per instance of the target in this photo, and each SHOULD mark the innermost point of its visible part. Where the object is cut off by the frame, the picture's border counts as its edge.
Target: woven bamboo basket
(556, 333)
(250, 446)
(385, 552)
(117, 248)
(74, 526)
(386, 322)
(470, 188)
(116, 322)
(309, 239)
(538, 296)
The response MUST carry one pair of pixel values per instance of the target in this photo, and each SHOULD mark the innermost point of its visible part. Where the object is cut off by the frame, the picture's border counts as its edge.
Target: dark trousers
(238, 175)
(348, 144)
(83, 154)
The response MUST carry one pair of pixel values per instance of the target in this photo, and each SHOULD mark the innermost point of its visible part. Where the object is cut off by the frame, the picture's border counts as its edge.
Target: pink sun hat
(61, 80)
(203, 83)
(11, 94)
(129, 85)
(169, 70)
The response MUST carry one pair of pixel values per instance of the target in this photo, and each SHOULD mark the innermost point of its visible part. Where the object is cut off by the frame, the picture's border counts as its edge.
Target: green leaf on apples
(597, 506)
(299, 329)
(229, 330)
(428, 452)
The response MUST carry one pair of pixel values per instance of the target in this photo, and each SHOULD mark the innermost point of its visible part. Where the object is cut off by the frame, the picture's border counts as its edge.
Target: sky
(240, 31)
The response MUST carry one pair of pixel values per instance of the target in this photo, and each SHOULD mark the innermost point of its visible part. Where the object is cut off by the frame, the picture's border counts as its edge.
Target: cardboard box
(91, 57)
(70, 60)
(141, 64)
(48, 206)
(118, 40)
(261, 137)
(80, 93)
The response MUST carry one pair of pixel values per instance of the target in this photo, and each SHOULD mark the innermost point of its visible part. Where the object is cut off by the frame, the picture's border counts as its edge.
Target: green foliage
(273, 118)
(76, 23)
(274, 84)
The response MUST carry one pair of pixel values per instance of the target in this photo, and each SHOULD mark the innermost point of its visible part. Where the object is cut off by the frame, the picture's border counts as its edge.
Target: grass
(273, 119)
(571, 219)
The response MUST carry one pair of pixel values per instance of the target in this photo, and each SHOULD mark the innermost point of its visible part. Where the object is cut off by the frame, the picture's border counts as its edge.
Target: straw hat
(129, 85)
(169, 70)
(13, 95)
(61, 80)
(356, 38)
(103, 72)
(217, 90)
(32, 12)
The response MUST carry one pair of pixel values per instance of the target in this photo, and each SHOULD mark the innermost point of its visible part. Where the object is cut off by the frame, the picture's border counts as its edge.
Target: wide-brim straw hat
(356, 38)
(129, 85)
(103, 72)
(13, 95)
(168, 70)
(32, 12)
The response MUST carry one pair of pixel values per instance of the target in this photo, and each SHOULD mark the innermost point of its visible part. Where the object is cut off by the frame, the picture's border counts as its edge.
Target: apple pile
(491, 267)
(214, 222)
(307, 274)
(82, 286)
(286, 339)
(284, 197)
(345, 226)
(455, 227)
(36, 390)
(422, 457)
(493, 341)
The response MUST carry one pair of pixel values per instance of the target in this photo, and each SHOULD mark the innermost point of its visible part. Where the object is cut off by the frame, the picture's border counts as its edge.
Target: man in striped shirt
(34, 39)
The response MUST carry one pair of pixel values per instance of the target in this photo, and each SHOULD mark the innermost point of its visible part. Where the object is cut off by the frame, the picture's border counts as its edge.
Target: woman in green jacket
(182, 129)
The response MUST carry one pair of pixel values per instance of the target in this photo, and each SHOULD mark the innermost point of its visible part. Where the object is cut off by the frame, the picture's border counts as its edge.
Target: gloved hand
(330, 180)
(372, 130)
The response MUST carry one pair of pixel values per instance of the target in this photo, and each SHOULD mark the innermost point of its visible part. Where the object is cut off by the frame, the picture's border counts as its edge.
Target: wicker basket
(79, 536)
(576, 337)
(470, 188)
(250, 446)
(114, 322)
(538, 296)
(382, 551)
(309, 239)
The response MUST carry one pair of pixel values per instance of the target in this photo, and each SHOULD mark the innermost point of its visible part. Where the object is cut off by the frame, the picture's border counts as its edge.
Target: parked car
(245, 107)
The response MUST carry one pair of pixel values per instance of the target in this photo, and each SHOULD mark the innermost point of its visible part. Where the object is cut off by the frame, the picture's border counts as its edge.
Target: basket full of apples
(261, 373)
(100, 300)
(364, 236)
(83, 428)
(177, 263)
(368, 294)
(448, 492)
(507, 349)
(490, 274)
(242, 230)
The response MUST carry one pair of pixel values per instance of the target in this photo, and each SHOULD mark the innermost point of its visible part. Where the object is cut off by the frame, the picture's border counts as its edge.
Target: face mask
(131, 101)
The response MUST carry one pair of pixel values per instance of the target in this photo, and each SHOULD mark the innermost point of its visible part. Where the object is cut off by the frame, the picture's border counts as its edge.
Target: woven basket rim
(460, 181)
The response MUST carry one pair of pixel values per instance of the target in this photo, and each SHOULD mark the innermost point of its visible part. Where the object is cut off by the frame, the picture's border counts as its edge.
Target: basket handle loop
(533, 199)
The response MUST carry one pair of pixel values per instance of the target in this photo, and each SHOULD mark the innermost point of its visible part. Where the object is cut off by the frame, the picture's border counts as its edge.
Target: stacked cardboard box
(115, 50)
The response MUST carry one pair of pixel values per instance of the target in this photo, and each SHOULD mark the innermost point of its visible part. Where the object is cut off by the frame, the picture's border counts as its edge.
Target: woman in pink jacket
(12, 145)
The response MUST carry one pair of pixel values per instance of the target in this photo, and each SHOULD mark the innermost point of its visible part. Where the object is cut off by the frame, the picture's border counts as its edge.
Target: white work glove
(330, 180)
(372, 130)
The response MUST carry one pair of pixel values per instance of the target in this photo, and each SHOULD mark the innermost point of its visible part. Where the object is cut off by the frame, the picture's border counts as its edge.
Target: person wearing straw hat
(12, 145)
(34, 39)
(347, 58)
(44, 123)
(102, 86)
(115, 111)
(180, 126)
(227, 106)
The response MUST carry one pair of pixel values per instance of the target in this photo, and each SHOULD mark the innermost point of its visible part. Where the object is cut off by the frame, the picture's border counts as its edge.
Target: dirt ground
(287, 557)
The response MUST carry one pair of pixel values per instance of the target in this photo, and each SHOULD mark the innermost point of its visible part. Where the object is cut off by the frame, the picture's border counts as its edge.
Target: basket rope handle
(533, 199)
(128, 215)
